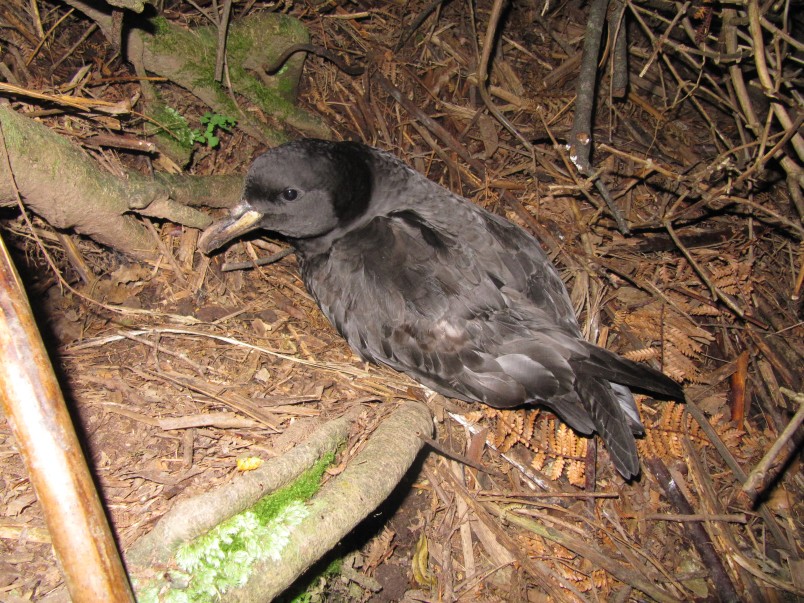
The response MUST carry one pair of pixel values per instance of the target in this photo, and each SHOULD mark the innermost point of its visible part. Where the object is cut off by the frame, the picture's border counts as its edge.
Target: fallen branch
(319, 524)
(759, 478)
(695, 531)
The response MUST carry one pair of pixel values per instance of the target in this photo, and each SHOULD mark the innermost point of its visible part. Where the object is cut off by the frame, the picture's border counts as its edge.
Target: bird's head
(302, 190)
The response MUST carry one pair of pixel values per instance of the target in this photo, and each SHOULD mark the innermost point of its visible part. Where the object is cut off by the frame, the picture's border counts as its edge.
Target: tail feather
(628, 405)
(611, 422)
(614, 368)
(602, 384)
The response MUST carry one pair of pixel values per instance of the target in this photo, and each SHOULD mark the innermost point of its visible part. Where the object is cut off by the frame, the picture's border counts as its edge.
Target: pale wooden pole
(34, 406)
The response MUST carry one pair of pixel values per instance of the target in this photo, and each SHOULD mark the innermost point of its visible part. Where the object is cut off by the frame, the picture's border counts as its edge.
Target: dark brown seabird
(432, 285)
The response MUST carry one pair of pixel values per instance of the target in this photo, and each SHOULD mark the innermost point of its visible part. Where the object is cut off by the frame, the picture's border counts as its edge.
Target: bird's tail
(614, 424)
(614, 368)
(603, 388)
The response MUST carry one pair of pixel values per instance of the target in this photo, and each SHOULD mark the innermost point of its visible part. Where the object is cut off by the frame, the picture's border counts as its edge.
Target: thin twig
(765, 78)
(697, 517)
(533, 566)
(36, 50)
(337, 367)
(271, 259)
(83, 38)
(658, 46)
(593, 555)
(455, 456)
(166, 252)
(619, 58)
(581, 136)
(417, 22)
(317, 50)
(703, 275)
(223, 33)
(710, 501)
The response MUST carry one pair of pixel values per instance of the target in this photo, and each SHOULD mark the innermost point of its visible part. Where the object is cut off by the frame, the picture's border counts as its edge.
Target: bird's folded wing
(423, 301)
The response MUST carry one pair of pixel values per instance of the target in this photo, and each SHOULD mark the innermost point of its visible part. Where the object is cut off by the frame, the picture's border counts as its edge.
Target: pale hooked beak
(243, 219)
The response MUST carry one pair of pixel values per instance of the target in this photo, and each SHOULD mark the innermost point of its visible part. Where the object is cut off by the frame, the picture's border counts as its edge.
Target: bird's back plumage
(460, 299)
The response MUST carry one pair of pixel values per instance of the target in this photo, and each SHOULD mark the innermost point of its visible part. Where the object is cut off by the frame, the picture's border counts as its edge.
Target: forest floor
(539, 524)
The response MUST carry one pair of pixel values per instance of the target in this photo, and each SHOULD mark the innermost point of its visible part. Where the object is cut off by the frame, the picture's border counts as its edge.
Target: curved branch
(345, 501)
(65, 187)
(195, 516)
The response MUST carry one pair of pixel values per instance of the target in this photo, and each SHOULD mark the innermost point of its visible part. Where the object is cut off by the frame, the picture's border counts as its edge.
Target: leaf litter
(688, 299)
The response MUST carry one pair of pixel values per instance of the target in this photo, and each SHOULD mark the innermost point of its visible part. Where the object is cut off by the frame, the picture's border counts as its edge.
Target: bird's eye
(289, 194)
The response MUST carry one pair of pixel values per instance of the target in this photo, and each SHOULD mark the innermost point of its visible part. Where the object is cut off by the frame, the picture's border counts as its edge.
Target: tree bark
(58, 182)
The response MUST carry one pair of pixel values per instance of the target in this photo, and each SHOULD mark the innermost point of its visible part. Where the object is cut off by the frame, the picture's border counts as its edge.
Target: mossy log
(259, 571)
(60, 183)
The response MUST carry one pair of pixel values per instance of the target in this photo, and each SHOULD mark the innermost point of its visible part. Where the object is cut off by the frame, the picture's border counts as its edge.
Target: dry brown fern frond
(509, 427)
(680, 367)
(576, 473)
(529, 425)
(682, 340)
(734, 278)
(602, 580)
(508, 430)
(746, 446)
(569, 566)
(705, 310)
(575, 569)
(664, 437)
(643, 355)
(534, 546)
(677, 340)
(559, 451)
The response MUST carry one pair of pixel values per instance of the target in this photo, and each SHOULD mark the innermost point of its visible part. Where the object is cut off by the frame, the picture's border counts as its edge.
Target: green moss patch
(226, 556)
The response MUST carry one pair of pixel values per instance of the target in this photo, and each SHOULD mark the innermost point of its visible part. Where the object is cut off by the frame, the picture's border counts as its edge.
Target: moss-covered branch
(193, 517)
(67, 189)
(260, 551)
(344, 501)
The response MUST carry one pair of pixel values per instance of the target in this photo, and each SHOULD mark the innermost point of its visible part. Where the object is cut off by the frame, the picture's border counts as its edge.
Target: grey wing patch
(418, 300)
(531, 271)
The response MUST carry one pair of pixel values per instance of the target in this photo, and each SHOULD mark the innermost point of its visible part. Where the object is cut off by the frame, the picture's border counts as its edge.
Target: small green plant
(213, 123)
(176, 125)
